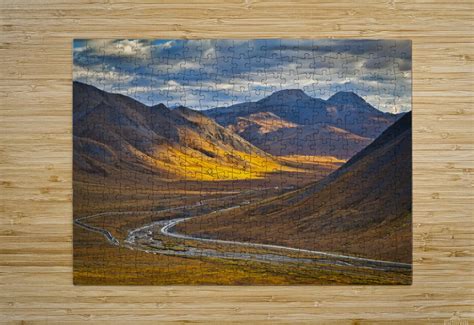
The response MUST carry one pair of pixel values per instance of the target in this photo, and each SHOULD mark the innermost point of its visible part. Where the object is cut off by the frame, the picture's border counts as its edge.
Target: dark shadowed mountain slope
(306, 125)
(363, 208)
(114, 133)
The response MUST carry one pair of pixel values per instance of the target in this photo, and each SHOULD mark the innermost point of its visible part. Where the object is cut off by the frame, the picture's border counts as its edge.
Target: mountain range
(114, 133)
(289, 122)
(363, 208)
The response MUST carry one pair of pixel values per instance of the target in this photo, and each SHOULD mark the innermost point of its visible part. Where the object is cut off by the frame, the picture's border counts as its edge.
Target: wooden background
(36, 155)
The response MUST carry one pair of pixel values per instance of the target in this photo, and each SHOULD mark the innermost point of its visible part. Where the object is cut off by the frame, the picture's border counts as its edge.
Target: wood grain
(36, 156)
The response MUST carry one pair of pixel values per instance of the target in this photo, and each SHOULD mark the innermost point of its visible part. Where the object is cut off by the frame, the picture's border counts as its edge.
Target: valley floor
(142, 247)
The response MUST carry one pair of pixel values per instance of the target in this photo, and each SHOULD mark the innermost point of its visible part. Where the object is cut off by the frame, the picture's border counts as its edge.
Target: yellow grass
(317, 160)
(189, 164)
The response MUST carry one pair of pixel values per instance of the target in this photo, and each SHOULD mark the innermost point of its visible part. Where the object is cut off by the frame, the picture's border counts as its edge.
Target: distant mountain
(363, 208)
(114, 133)
(340, 126)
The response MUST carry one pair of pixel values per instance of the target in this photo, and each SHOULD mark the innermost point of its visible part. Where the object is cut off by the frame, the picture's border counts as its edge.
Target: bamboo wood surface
(36, 161)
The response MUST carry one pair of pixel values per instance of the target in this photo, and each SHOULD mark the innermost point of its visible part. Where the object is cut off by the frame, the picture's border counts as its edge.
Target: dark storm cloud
(208, 73)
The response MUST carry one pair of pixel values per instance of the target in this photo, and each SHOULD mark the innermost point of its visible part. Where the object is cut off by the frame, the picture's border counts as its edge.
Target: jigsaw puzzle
(242, 162)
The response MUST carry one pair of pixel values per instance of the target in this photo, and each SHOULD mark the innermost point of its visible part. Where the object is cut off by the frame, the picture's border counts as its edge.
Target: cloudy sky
(202, 74)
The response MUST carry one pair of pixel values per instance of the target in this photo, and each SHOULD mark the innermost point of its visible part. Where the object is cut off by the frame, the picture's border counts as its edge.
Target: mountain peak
(290, 92)
(284, 96)
(159, 106)
(345, 97)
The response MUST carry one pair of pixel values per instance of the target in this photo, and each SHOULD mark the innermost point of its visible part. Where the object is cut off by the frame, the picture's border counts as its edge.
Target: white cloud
(106, 79)
(118, 48)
